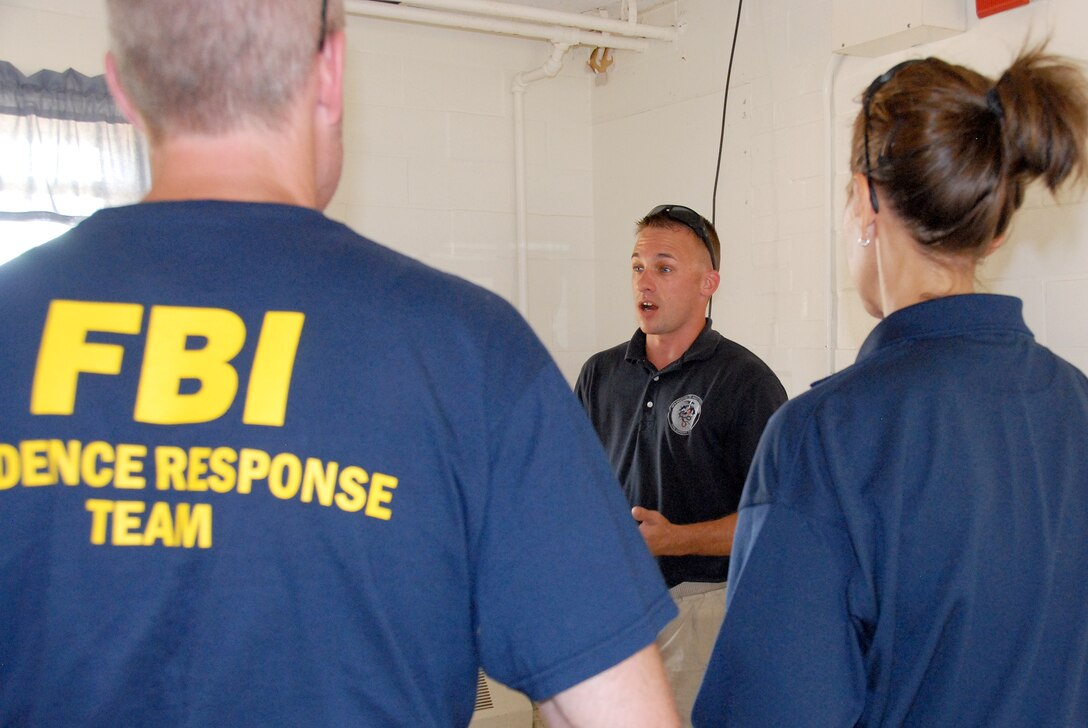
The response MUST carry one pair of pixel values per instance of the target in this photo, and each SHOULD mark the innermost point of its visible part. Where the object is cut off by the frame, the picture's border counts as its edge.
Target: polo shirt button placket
(648, 409)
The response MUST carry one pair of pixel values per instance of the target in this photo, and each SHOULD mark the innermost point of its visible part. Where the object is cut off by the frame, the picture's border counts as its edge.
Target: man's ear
(330, 93)
(120, 97)
(711, 280)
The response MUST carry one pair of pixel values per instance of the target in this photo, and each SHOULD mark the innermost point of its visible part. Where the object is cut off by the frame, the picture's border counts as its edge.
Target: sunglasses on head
(690, 219)
(866, 102)
(324, 16)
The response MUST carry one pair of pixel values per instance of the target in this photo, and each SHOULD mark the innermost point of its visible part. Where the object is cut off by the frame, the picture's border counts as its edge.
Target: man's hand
(665, 538)
(658, 531)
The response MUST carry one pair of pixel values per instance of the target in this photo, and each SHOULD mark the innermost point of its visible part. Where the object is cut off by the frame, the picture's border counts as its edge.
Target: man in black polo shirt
(680, 410)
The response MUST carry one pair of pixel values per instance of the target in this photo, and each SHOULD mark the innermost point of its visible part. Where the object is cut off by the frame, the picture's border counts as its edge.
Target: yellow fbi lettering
(49, 462)
(186, 525)
(128, 466)
(286, 476)
(169, 360)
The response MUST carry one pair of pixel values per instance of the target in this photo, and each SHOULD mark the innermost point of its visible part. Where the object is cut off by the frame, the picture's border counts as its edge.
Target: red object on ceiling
(989, 7)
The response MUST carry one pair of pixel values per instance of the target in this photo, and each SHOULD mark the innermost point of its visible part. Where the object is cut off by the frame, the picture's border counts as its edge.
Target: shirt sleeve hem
(573, 670)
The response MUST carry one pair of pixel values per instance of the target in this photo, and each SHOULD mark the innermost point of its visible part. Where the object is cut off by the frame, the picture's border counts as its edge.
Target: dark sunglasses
(324, 16)
(690, 219)
(866, 102)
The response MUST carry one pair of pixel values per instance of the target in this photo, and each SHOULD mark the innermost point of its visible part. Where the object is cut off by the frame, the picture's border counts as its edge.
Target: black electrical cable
(725, 105)
(721, 139)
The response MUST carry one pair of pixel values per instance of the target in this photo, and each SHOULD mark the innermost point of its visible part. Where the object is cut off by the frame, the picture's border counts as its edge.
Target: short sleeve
(788, 652)
(565, 587)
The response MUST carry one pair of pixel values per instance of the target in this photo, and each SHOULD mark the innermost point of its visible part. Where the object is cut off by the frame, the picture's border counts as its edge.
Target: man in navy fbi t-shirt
(258, 470)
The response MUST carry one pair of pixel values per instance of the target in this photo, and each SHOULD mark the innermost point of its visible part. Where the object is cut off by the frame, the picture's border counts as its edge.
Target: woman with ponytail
(912, 546)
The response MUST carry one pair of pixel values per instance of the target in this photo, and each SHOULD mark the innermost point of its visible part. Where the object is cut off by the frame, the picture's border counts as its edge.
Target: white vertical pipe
(550, 68)
(829, 205)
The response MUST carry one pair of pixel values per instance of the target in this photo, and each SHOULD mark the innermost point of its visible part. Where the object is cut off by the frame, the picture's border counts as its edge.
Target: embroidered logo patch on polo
(684, 413)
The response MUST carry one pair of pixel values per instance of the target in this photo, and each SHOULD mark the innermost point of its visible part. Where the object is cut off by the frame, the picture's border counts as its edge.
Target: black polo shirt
(681, 439)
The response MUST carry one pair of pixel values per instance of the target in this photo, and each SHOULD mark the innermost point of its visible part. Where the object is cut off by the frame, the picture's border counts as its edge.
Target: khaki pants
(687, 641)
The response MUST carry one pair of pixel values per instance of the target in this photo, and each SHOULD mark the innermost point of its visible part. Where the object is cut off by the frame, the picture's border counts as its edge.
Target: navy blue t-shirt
(910, 549)
(257, 470)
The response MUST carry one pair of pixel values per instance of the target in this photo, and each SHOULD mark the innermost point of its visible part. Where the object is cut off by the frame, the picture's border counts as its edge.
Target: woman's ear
(861, 200)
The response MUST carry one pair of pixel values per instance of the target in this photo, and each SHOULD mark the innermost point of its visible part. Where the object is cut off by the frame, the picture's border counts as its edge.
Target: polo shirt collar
(702, 348)
(948, 316)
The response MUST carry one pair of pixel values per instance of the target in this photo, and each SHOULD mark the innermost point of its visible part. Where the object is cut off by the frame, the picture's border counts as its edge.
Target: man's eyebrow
(670, 256)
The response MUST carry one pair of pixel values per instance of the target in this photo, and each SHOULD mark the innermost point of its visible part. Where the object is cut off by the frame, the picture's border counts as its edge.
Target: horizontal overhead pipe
(555, 34)
(514, 11)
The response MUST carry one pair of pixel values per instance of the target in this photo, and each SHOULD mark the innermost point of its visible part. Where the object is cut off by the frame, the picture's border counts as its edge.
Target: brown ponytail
(952, 151)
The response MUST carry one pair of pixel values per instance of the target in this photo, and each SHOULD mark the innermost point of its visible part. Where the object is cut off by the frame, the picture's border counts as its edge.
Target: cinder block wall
(430, 165)
(429, 169)
(785, 291)
(429, 137)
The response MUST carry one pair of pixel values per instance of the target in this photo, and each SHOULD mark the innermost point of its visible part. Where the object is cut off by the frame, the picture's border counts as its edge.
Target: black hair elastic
(993, 103)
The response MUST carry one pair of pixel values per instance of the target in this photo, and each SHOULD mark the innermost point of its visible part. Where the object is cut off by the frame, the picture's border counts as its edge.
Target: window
(67, 152)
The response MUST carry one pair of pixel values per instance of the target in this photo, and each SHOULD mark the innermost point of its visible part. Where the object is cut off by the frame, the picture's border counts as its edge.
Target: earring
(864, 242)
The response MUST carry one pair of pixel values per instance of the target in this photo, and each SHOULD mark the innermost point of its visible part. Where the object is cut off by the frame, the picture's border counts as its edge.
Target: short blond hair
(210, 66)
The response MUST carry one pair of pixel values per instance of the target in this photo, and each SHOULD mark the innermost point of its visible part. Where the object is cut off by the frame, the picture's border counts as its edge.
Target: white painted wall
(656, 124)
(54, 34)
(785, 292)
(430, 165)
(1045, 259)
